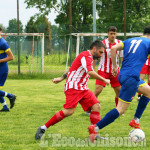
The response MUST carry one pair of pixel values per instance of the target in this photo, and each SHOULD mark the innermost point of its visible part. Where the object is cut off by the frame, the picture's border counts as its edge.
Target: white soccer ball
(136, 135)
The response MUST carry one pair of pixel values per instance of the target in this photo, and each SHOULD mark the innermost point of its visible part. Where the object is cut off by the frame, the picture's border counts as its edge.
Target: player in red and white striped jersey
(105, 65)
(145, 71)
(76, 89)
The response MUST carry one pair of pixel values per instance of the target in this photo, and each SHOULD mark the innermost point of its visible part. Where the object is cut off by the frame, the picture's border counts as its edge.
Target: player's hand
(57, 80)
(114, 71)
(107, 81)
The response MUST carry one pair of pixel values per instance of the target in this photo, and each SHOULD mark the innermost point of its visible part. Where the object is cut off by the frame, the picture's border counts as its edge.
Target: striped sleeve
(87, 63)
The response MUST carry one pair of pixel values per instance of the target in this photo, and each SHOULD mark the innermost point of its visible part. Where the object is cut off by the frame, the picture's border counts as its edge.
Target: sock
(116, 100)
(8, 95)
(95, 117)
(2, 93)
(44, 127)
(56, 118)
(137, 120)
(3, 102)
(139, 94)
(108, 118)
(149, 84)
(141, 106)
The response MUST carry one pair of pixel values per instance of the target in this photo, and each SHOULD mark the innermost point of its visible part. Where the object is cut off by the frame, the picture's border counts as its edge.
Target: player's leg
(3, 102)
(11, 97)
(98, 87)
(117, 90)
(116, 86)
(98, 90)
(90, 102)
(72, 99)
(144, 100)
(142, 76)
(148, 75)
(128, 89)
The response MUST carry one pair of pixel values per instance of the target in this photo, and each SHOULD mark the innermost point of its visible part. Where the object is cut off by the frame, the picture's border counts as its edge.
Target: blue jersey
(4, 47)
(136, 51)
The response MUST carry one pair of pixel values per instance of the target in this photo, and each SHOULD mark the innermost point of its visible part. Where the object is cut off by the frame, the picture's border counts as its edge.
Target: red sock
(149, 84)
(116, 100)
(56, 118)
(139, 94)
(95, 117)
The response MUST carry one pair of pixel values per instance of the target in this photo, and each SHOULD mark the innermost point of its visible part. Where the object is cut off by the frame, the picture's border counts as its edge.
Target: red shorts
(145, 69)
(86, 98)
(113, 80)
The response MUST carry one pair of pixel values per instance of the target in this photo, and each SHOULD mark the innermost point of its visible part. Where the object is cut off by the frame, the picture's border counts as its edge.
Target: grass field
(38, 100)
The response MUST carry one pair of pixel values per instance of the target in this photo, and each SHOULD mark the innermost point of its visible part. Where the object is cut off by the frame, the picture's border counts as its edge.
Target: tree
(4, 29)
(12, 27)
(40, 24)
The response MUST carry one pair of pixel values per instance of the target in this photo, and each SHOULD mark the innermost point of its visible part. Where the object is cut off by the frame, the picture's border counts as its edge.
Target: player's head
(112, 33)
(147, 30)
(97, 48)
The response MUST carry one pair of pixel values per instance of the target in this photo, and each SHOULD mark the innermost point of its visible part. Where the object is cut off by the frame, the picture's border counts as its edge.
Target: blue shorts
(129, 87)
(3, 78)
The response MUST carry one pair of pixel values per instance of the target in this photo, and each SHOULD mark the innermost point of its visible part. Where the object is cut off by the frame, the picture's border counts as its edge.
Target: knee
(96, 107)
(120, 110)
(97, 91)
(68, 112)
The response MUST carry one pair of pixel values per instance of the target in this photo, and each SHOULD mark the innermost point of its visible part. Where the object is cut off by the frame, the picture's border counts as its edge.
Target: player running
(76, 89)
(5, 56)
(136, 51)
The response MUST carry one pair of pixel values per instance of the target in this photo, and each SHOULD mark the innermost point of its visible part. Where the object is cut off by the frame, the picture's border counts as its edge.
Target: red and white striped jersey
(77, 76)
(105, 63)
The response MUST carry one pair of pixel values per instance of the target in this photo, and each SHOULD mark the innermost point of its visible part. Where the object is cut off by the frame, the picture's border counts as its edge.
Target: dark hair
(0, 29)
(146, 30)
(97, 44)
(112, 28)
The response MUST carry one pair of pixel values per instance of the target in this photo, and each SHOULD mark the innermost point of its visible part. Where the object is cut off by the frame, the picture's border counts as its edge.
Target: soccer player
(76, 89)
(105, 65)
(5, 56)
(145, 71)
(136, 51)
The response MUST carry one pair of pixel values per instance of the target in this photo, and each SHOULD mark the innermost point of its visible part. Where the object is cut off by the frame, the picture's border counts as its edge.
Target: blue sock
(141, 106)
(2, 93)
(2, 101)
(9, 95)
(108, 118)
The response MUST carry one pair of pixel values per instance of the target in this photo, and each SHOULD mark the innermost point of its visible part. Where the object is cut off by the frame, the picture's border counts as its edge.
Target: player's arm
(8, 58)
(93, 74)
(59, 79)
(114, 49)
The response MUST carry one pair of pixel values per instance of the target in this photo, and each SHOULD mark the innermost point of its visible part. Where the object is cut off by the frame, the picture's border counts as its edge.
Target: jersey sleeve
(5, 47)
(122, 44)
(86, 62)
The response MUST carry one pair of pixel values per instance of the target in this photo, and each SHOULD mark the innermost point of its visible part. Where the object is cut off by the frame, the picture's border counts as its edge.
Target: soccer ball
(136, 135)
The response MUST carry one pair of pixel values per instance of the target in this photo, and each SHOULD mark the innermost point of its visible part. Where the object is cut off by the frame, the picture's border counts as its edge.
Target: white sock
(96, 129)
(137, 120)
(4, 104)
(44, 127)
(5, 93)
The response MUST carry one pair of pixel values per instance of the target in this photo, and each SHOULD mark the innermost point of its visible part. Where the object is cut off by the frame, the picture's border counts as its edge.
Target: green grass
(38, 100)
